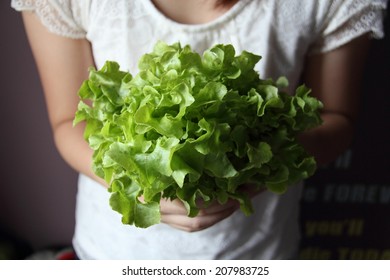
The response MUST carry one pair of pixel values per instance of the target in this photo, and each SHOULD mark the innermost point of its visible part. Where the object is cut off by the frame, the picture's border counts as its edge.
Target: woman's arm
(335, 78)
(62, 65)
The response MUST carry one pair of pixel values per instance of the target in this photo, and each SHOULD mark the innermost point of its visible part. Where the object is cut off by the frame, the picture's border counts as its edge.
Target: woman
(322, 43)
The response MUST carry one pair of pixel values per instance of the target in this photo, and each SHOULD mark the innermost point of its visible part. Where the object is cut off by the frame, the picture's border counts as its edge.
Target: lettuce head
(193, 127)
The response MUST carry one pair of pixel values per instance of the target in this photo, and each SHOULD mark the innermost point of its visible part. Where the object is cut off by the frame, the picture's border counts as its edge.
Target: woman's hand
(174, 213)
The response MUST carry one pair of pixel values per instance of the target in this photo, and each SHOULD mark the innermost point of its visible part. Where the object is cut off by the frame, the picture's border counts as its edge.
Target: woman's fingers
(216, 207)
(172, 207)
(175, 214)
(200, 222)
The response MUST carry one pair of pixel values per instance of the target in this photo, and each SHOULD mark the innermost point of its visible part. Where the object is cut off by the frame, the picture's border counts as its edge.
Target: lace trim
(56, 16)
(359, 18)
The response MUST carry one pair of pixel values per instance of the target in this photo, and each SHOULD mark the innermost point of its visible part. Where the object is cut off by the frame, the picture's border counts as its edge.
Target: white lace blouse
(282, 32)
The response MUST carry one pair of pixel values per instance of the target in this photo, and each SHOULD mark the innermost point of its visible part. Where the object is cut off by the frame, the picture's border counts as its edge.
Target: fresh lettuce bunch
(192, 127)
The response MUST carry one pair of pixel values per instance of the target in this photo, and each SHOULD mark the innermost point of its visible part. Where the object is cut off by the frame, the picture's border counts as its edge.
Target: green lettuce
(193, 127)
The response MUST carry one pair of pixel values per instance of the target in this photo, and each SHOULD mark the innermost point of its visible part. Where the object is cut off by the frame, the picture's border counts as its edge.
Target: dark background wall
(345, 207)
(37, 188)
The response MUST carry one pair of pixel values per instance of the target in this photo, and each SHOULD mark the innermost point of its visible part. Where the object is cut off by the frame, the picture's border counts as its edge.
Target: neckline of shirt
(223, 19)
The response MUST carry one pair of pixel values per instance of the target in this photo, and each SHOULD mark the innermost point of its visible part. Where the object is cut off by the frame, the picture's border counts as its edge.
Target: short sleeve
(63, 17)
(346, 20)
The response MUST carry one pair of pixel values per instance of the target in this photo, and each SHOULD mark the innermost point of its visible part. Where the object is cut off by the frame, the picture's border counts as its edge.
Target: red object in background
(67, 255)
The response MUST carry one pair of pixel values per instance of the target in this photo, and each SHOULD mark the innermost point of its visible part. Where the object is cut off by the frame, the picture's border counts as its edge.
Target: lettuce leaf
(192, 127)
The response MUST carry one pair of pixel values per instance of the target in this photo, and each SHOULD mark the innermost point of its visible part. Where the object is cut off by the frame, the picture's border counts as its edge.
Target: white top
(282, 32)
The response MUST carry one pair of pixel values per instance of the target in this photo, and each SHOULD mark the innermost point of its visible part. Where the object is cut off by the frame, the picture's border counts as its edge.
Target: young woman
(320, 43)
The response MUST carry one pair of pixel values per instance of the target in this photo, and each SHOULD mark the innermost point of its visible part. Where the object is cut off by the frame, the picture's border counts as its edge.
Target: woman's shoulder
(320, 12)
(327, 24)
(63, 17)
